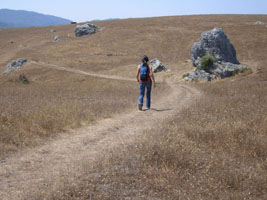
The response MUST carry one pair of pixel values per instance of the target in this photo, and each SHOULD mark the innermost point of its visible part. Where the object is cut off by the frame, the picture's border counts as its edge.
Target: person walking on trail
(145, 77)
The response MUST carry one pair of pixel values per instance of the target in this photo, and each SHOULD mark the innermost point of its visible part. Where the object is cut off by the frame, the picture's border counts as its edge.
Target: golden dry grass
(56, 101)
(216, 149)
(31, 112)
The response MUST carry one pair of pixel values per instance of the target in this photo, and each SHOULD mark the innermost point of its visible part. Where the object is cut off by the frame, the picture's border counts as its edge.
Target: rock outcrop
(86, 29)
(157, 66)
(199, 75)
(226, 69)
(15, 65)
(214, 43)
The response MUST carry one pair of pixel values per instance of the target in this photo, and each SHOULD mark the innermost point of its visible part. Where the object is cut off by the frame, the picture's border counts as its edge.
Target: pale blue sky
(86, 10)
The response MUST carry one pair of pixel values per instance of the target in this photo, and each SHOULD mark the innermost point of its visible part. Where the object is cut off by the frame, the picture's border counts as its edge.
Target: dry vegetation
(37, 110)
(56, 101)
(216, 149)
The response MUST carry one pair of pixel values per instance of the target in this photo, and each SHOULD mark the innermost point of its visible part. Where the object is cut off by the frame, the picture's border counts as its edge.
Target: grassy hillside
(216, 149)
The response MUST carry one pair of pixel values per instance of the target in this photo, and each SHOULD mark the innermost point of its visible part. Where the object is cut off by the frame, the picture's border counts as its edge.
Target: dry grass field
(214, 149)
(56, 101)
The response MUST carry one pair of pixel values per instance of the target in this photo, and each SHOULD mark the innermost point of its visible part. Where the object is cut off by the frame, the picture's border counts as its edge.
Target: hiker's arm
(137, 74)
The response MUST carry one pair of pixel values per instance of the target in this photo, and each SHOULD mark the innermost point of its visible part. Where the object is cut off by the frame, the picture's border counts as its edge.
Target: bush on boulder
(206, 62)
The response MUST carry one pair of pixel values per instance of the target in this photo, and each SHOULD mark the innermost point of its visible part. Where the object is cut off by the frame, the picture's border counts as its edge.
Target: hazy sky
(86, 10)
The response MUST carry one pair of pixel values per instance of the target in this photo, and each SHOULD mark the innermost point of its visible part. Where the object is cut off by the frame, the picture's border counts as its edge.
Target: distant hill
(109, 19)
(22, 18)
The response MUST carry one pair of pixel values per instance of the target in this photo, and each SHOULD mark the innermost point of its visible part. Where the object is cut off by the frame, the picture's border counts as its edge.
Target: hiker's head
(145, 59)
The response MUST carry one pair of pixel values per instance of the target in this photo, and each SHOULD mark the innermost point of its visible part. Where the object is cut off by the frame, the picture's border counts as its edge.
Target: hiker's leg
(142, 93)
(148, 94)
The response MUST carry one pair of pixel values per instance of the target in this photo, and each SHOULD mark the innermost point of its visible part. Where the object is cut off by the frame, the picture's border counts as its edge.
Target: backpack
(144, 72)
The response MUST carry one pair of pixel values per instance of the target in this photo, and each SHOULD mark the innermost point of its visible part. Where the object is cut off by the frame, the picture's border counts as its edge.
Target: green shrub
(23, 79)
(206, 62)
(185, 75)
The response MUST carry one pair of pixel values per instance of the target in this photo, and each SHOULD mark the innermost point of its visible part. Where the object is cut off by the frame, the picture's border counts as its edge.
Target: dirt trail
(76, 71)
(42, 167)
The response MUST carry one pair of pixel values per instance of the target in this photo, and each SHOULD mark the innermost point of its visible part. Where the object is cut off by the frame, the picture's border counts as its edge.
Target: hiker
(145, 77)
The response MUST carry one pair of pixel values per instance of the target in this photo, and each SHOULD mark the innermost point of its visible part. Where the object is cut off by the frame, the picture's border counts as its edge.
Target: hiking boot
(140, 106)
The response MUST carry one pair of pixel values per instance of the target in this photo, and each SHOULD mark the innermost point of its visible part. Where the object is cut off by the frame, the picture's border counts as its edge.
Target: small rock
(115, 54)
(15, 65)
(86, 29)
(199, 75)
(52, 30)
(186, 78)
(97, 54)
(259, 23)
(57, 38)
(157, 66)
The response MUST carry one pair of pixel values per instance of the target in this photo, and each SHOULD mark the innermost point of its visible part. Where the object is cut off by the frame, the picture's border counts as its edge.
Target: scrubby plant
(206, 62)
(23, 79)
(237, 71)
(185, 75)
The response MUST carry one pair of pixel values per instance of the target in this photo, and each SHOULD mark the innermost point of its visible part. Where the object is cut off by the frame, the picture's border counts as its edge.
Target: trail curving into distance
(40, 168)
(76, 71)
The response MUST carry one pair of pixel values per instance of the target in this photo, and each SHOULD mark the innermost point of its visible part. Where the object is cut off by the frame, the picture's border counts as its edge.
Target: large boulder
(86, 29)
(214, 43)
(15, 65)
(157, 66)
